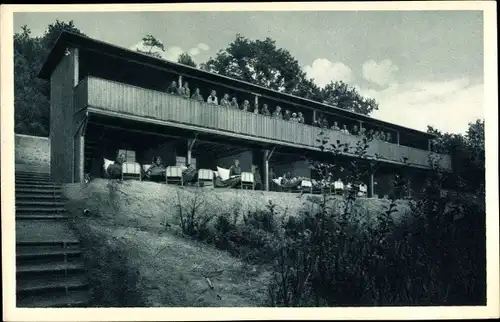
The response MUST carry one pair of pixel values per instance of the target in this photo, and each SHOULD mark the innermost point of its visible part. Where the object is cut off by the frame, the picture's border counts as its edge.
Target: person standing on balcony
(294, 118)
(382, 136)
(225, 101)
(172, 89)
(246, 106)
(362, 131)
(185, 91)
(301, 118)
(287, 115)
(388, 137)
(256, 109)
(212, 98)
(234, 103)
(197, 96)
(277, 113)
(355, 130)
(265, 110)
(335, 126)
(344, 129)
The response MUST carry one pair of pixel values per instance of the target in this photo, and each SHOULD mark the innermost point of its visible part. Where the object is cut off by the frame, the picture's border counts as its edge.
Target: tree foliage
(152, 46)
(32, 94)
(261, 62)
(186, 59)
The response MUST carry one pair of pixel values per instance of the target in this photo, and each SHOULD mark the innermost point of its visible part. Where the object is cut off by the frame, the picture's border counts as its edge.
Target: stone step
(76, 298)
(44, 190)
(38, 284)
(34, 252)
(49, 268)
(49, 185)
(41, 217)
(40, 209)
(40, 203)
(44, 232)
(41, 195)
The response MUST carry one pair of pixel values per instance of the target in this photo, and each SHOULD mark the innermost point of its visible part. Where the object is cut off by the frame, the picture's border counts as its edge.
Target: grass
(131, 251)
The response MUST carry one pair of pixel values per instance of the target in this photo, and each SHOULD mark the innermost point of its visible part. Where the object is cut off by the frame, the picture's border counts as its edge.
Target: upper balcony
(104, 96)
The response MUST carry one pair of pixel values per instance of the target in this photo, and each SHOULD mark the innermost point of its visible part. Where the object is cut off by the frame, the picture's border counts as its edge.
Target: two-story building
(105, 98)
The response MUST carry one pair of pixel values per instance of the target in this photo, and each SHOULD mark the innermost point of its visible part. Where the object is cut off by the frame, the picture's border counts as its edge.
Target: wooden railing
(127, 99)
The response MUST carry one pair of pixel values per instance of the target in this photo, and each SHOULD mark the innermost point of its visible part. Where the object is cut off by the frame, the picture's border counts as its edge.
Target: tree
(261, 62)
(153, 46)
(31, 94)
(187, 60)
(346, 97)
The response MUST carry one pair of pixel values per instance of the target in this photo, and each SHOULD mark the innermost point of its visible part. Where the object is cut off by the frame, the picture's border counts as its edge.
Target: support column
(314, 116)
(180, 81)
(397, 137)
(371, 185)
(429, 144)
(360, 126)
(256, 101)
(190, 145)
(266, 170)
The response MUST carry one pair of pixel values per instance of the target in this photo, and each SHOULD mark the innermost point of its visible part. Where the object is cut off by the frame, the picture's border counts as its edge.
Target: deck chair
(338, 187)
(105, 166)
(131, 171)
(247, 180)
(173, 175)
(363, 190)
(205, 178)
(145, 167)
(306, 186)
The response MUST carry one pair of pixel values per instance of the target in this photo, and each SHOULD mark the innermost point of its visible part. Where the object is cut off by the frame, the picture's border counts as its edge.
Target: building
(105, 98)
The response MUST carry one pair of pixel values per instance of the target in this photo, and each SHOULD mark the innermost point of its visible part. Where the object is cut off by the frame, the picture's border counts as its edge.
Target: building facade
(106, 99)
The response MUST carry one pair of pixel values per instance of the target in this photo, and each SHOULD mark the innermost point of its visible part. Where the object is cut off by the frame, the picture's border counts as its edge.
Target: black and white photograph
(209, 156)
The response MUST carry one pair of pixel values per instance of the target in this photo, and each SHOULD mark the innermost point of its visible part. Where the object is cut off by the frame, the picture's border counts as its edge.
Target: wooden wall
(62, 123)
(131, 100)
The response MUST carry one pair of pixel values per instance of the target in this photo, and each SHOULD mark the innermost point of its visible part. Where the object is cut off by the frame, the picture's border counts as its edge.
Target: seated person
(301, 118)
(388, 137)
(265, 110)
(362, 131)
(157, 170)
(197, 96)
(335, 126)
(344, 129)
(212, 98)
(246, 106)
(234, 102)
(277, 113)
(225, 101)
(324, 123)
(256, 177)
(189, 174)
(376, 135)
(172, 89)
(115, 170)
(235, 169)
(382, 136)
(318, 121)
(287, 115)
(184, 91)
(294, 118)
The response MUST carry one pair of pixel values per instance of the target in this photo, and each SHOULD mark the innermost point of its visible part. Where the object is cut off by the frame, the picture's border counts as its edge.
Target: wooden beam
(180, 81)
(76, 64)
(371, 185)
(266, 170)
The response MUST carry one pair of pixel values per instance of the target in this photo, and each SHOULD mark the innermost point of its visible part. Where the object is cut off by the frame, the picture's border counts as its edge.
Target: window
(129, 155)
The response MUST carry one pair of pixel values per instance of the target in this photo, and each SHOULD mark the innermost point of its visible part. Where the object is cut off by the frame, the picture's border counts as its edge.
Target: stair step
(51, 283)
(37, 252)
(41, 195)
(41, 217)
(73, 298)
(52, 267)
(40, 203)
(38, 186)
(46, 191)
(36, 209)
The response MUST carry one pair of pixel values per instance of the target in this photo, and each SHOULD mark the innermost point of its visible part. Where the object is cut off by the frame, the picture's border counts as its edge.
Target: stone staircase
(49, 266)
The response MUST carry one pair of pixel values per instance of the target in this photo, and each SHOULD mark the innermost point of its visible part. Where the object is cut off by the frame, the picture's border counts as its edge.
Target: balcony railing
(127, 99)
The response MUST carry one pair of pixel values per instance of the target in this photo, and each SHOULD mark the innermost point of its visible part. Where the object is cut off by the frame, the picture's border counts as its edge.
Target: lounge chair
(247, 180)
(338, 187)
(306, 186)
(205, 178)
(173, 175)
(363, 189)
(131, 171)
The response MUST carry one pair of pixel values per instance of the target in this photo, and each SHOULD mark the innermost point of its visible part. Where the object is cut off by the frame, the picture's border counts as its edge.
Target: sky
(422, 67)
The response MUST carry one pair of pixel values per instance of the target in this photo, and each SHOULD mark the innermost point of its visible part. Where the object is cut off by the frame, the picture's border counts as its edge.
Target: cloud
(324, 71)
(448, 106)
(203, 46)
(172, 53)
(379, 73)
(194, 51)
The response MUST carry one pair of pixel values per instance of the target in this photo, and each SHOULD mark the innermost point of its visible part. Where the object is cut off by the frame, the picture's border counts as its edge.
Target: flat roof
(69, 39)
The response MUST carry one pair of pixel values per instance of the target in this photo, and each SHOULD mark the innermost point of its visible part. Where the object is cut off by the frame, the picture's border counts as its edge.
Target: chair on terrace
(205, 178)
(338, 187)
(247, 180)
(173, 175)
(306, 186)
(131, 171)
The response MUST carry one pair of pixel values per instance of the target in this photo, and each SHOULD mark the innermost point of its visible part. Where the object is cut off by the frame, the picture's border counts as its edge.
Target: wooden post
(266, 170)
(360, 125)
(256, 101)
(397, 137)
(180, 81)
(190, 145)
(76, 68)
(429, 144)
(82, 158)
(371, 185)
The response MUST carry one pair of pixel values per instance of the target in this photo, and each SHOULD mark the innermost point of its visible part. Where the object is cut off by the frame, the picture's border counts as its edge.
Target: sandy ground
(168, 268)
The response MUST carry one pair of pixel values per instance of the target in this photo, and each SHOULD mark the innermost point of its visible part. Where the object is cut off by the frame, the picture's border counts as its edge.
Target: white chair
(306, 185)
(105, 166)
(338, 187)
(363, 190)
(247, 180)
(145, 167)
(205, 178)
(131, 171)
(173, 175)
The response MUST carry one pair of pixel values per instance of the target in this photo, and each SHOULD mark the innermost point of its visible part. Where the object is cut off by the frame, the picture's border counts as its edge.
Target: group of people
(355, 130)
(287, 115)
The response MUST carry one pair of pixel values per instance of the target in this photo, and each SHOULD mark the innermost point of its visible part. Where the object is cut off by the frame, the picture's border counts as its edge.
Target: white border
(211, 314)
